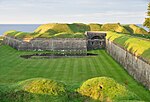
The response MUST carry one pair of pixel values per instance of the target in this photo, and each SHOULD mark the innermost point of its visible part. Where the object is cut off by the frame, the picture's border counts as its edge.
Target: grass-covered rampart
(135, 45)
(75, 30)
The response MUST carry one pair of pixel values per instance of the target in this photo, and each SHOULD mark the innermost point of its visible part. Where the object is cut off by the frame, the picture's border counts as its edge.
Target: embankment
(131, 55)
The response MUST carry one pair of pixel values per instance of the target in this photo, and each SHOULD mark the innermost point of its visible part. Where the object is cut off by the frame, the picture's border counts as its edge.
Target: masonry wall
(77, 45)
(136, 66)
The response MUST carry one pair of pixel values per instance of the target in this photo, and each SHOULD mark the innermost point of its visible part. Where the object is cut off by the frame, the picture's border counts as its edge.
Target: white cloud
(42, 11)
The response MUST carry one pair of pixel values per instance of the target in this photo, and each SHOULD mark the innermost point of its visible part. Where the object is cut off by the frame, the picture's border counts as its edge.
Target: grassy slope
(95, 27)
(134, 29)
(136, 45)
(114, 27)
(137, 30)
(57, 29)
(72, 71)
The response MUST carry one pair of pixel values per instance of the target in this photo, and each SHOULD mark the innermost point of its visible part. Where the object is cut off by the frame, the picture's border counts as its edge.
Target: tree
(147, 20)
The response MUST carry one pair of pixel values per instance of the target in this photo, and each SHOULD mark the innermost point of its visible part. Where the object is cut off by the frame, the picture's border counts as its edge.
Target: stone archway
(95, 40)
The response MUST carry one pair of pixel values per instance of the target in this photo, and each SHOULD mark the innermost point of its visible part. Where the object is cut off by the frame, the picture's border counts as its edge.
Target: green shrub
(46, 90)
(105, 89)
(43, 86)
(16, 93)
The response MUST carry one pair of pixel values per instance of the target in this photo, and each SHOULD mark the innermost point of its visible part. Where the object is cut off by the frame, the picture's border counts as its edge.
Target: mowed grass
(72, 71)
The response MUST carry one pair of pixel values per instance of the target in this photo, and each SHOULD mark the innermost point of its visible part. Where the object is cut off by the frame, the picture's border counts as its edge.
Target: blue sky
(68, 11)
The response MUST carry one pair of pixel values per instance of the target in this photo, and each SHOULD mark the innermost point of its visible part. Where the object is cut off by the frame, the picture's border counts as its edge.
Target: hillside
(95, 27)
(75, 30)
(134, 29)
(135, 45)
(114, 27)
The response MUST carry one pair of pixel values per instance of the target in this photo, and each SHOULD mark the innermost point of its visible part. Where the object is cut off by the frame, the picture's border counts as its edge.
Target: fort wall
(135, 66)
(76, 45)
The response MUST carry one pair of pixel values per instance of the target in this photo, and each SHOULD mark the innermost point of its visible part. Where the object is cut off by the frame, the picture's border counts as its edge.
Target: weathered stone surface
(95, 40)
(135, 66)
(77, 45)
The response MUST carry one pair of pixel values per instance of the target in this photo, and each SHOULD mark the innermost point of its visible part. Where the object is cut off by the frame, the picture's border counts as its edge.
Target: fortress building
(93, 40)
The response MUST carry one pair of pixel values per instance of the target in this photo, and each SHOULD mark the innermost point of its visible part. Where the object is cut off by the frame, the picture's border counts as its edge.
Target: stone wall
(136, 66)
(77, 45)
(96, 40)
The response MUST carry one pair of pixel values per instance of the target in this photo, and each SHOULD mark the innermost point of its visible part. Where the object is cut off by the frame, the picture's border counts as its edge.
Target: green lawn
(72, 71)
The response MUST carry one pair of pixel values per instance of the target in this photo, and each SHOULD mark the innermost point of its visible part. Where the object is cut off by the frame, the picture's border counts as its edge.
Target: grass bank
(136, 45)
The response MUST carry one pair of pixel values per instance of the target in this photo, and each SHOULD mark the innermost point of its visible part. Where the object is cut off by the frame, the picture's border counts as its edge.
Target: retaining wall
(77, 45)
(136, 66)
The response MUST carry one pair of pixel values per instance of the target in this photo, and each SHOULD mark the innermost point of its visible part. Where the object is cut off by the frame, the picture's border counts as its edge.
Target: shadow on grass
(13, 95)
(95, 49)
(78, 27)
(121, 40)
(18, 96)
(129, 29)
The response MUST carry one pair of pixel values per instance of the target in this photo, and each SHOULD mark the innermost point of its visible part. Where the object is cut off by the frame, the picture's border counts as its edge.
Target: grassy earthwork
(71, 71)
